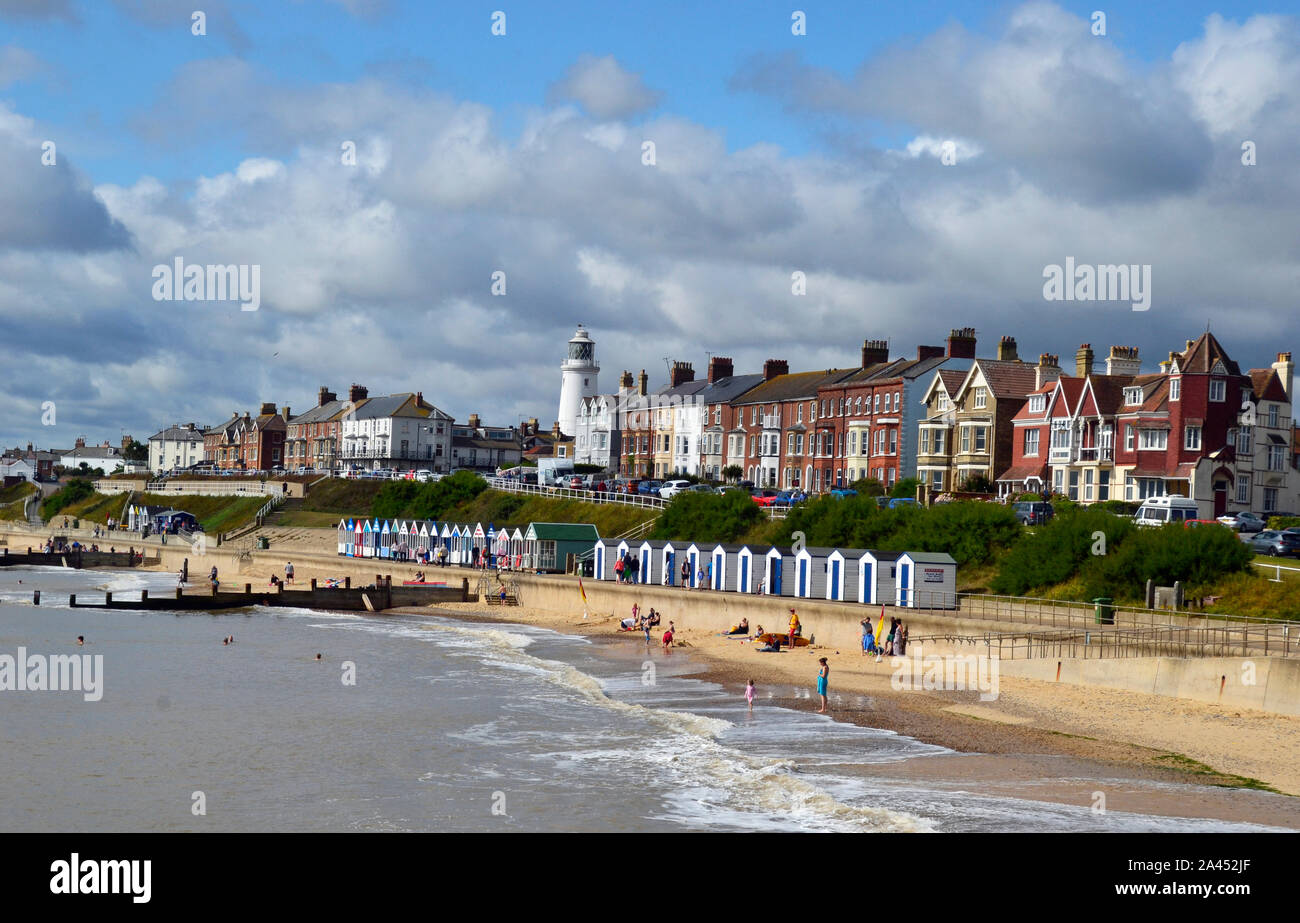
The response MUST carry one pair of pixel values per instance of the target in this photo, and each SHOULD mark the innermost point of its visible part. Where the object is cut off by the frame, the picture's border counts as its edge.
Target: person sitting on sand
(741, 629)
(419, 576)
(773, 646)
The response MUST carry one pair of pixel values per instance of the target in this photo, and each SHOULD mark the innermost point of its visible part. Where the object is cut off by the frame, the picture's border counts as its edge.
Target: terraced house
(400, 431)
(965, 437)
(716, 415)
(248, 443)
(312, 438)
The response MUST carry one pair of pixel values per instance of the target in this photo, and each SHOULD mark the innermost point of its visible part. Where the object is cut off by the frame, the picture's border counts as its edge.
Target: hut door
(600, 562)
(717, 571)
(835, 579)
(671, 573)
(643, 574)
(743, 585)
(775, 587)
(803, 577)
(904, 583)
(868, 578)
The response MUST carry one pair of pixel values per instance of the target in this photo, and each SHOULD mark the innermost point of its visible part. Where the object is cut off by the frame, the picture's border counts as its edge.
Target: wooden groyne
(78, 558)
(374, 598)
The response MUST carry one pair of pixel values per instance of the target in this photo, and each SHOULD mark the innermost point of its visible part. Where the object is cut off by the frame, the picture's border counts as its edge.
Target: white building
(176, 447)
(398, 431)
(104, 455)
(597, 438)
(579, 373)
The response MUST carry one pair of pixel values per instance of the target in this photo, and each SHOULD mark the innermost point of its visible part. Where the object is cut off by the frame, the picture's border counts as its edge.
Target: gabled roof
(1006, 379)
(1203, 354)
(177, 432)
(1108, 393)
(322, 413)
(1267, 385)
(564, 532)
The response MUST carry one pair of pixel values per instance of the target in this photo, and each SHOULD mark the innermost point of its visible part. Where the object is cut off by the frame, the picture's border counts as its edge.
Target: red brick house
(248, 443)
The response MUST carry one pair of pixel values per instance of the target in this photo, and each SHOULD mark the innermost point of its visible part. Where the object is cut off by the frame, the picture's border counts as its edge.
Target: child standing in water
(823, 677)
(749, 694)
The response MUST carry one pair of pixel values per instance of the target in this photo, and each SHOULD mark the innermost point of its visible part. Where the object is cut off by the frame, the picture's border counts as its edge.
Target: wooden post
(313, 583)
(144, 596)
(108, 598)
(36, 597)
(347, 583)
(72, 601)
(178, 592)
(248, 588)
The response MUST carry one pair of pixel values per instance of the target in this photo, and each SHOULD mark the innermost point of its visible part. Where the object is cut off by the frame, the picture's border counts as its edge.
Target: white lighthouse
(578, 379)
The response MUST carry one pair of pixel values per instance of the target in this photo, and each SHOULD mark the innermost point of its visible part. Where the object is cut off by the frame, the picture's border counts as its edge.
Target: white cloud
(604, 88)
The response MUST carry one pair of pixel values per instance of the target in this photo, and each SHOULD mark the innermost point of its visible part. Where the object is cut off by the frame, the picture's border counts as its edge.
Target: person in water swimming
(81, 640)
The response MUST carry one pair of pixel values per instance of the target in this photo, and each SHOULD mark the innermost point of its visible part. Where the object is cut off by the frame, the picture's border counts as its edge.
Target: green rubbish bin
(1105, 611)
(263, 542)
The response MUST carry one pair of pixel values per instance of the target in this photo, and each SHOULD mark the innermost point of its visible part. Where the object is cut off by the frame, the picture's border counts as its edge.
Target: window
(942, 402)
(843, 437)
(925, 442)
(979, 439)
(789, 443)
(1272, 416)
(1087, 484)
(753, 415)
(1243, 488)
(965, 439)
(858, 405)
(1270, 499)
(1031, 442)
(799, 413)
(1038, 403)
(841, 407)
(1277, 458)
(1243, 441)
(853, 443)
(1175, 388)
(1218, 390)
(1154, 439)
(1058, 480)
(812, 411)
(1103, 485)
(1074, 485)
(877, 403)
(798, 444)
(1192, 438)
(938, 442)
(893, 442)
(981, 398)
(717, 416)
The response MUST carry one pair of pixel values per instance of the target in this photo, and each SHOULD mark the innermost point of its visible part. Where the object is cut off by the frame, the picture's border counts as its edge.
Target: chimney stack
(1285, 369)
(928, 352)
(126, 442)
(1123, 360)
(961, 343)
(80, 442)
(357, 393)
(874, 352)
(285, 412)
(720, 367)
(643, 384)
(555, 430)
(1007, 350)
(775, 367)
(473, 421)
(681, 373)
(324, 396)
(625, 382)
(1048, 369)
(268, 409)
(1083, 360)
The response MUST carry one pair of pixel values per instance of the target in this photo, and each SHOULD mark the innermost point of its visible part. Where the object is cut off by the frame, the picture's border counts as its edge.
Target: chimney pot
(961, 343)
(775, 367)
(720, 367)
(1007, 350)
(874, 352)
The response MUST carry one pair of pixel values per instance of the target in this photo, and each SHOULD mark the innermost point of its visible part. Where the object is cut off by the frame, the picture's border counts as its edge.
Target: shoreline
(994, 752)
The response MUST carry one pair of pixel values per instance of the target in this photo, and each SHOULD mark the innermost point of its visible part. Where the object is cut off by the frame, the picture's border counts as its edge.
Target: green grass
(215, 514)
(1211, 775)
(502, 508)
(288, 516)
(19, 491)
(340, 496)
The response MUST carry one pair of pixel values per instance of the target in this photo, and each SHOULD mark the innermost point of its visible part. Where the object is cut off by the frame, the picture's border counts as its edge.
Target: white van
(1156, 511)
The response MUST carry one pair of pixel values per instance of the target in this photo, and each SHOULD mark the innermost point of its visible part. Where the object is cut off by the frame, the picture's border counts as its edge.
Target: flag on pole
(880, 626)
(584, 597)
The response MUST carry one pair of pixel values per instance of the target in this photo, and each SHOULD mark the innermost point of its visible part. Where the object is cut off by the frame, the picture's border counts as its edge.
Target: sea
(429, 723)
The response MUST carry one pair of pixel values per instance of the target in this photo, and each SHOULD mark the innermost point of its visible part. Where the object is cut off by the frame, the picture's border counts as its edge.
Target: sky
(378, 162)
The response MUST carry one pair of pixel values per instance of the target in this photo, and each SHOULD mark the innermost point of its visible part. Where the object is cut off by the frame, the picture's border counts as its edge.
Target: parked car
(1034, 512)
(1272, 542)
(1156, 511)
(649, 488)
(765, 496)
(671, 489)
(629, 486)
(575, 483)
(1243, 522)
(898, 502)
(839, 493)
(700, 489)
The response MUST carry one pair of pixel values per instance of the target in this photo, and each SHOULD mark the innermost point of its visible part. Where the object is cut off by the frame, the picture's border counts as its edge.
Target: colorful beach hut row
(540, 547)
(910, 579)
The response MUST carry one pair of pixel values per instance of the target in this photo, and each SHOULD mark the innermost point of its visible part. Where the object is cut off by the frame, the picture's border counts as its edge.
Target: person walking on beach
(686, 573)
(889, 638)
(668, 637)
(823, 680)
(900, 641)
(288, 571)
(618, 570)
(868, 636)
(749, 694)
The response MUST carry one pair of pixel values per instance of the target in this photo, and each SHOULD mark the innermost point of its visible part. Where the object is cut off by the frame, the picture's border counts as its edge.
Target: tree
(976, 484)
(869, 487)
(732, 473)
(906, 487)
(136, 451)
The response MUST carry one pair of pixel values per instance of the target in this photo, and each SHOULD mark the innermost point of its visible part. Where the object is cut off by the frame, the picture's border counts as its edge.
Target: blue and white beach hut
(810, 573)
(605, 553)
(876, 576)
(746, 572)
(385, 540)
(726, 566)
(668, 566)
(698, 556)
(841, 575)
(649, 563)
(773, 572)
(367, 550)
(926, 580)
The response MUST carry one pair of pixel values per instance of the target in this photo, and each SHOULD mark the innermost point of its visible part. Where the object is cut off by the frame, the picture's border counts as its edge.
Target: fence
(568, 493)
(192, 488)
(1275, 639)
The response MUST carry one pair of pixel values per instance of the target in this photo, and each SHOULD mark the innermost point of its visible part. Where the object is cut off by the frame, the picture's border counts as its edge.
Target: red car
(575, 483)
(765, 496)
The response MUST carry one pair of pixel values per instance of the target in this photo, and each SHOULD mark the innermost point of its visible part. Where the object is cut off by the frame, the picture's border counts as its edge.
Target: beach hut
(810, 568)
(345, 535)
(926, 580)
(725, 570)
(444, 539)
(698, 556)
(773, 572)
(557, 541)
(517, 548)
(650, 562)
(366, 550)
(668, 565)
(746, 572)
(385, 540)
(876, 576)
(454, 545)
(478, 543)
(605, 556)
(376, 532)
(501, 545)
(358, 538)
(836, 574)
(621, 549)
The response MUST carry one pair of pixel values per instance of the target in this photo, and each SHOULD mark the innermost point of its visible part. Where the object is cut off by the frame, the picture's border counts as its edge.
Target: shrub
(75, 490)
(1057, 550)
(694, 516)
(1197, 557)
(426, 501)
(868, 487)
(906, 488)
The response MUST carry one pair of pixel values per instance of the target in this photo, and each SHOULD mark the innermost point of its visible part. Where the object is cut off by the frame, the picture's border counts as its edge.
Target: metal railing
(567, 493)
(1276, 640)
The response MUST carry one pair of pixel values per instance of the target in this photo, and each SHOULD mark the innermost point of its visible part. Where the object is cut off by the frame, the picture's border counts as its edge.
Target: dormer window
(1038, 403)
(1175, 388)
(1132, 396)
(981, 398)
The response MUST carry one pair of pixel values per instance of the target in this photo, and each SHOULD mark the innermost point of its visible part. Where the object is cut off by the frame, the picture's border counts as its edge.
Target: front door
(1220, 498)
(671, 565)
